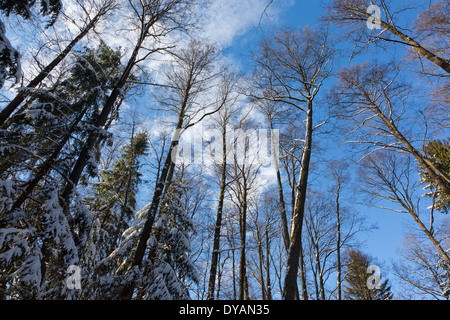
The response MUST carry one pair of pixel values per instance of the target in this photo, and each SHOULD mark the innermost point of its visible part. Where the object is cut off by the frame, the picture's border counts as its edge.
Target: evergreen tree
(166, 270)
(37, 240)
(445, 278)
(113, 203)
(58, 117)
(24, 8)
(10, 57)
(437, 153)
(171, 246)
(114, 197)
(356, 279)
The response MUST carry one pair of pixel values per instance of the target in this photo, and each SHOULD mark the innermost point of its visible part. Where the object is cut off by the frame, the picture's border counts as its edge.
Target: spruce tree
(113, 203)
(437, 153)
(24, 8)
(356, 278)
(114, 196)
(37, 240)
(166, 270)
(444, 276)
(171, 246)
(9, 56)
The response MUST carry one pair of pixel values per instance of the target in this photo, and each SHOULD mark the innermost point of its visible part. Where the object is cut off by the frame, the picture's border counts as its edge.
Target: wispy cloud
(224, 21)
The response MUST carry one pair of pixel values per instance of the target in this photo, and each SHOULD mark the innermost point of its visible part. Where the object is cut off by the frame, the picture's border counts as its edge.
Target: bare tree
(223, 121)
(339, 174)
(265, 228)
(390, 177)
(323, 230)
(372, 101)
(291, 154)
(421, 268)
(432, 29)
(244, 174)
(274, 113)
(355, 15)
(292, 67)
(188, 78)
(320, 229)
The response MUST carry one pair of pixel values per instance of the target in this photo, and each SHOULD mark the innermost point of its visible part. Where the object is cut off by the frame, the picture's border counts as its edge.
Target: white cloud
(226, 20)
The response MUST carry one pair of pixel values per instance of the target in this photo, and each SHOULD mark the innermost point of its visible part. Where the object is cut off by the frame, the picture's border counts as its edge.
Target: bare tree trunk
(440, 62)
(301, 261)
(268, 285)
(290, 281)
(261, 263)
(246, 292)
(302, 271)
(242, 256)
(218, 226)
(320, 274)
(233, 269)
(219, 276)
(338, 242)
(280, 193)
(294, 68)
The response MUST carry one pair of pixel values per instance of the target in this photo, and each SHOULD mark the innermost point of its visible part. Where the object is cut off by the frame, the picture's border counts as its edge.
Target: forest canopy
(203, 150)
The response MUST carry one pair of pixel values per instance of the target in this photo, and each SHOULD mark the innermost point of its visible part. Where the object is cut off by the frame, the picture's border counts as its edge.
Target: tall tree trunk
(246, 291)
(22, 95)
(320, 274)
(437, 60)
(219, 276)
(302, 271)
(280, 191)
(261, 264)
(301, 262)
(218, 226)
(243, 285)
(268, 285)
(290, 281)
(233, 270)
(338, 241)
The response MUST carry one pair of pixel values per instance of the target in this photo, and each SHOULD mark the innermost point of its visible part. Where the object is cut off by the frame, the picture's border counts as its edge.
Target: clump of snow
(10, 59)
